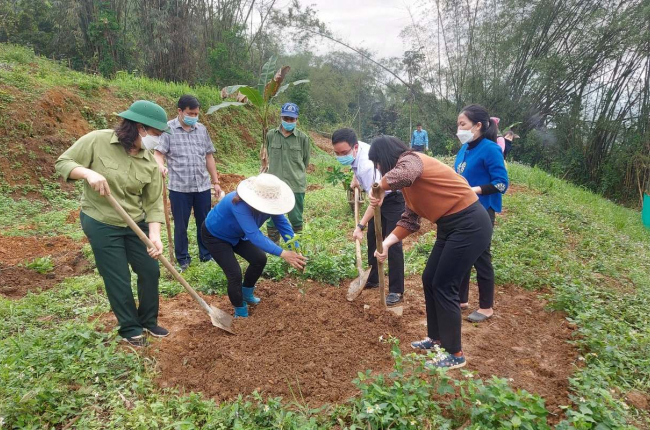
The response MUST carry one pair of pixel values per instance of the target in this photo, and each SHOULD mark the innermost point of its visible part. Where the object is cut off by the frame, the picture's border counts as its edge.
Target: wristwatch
(361, 227)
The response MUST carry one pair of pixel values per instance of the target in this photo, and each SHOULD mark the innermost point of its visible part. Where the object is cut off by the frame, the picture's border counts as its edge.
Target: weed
(41, 264)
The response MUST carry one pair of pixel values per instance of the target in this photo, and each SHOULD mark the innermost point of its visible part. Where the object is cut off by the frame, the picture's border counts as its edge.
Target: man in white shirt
(350, 152)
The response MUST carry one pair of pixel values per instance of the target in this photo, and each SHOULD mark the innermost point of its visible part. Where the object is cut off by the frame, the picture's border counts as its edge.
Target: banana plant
(269, 86)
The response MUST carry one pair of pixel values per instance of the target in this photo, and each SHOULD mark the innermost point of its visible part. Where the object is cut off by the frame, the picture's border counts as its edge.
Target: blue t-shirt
(234, 222)
(483, 165)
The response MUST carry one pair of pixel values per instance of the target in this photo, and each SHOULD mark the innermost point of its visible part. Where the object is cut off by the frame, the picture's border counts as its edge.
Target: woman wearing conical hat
(233, 227)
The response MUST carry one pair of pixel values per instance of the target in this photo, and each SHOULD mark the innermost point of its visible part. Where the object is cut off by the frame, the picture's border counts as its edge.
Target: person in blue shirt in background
(233, 227)
(480, 161)
(419, 139)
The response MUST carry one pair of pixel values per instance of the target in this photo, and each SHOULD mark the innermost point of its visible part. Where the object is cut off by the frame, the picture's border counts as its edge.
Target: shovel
(170, 239)
(218, 317)
(377, 192)
(358, 284)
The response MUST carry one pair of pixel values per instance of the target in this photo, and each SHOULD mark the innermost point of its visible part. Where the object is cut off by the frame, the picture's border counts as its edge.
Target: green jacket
(289, 157)
(134, 180)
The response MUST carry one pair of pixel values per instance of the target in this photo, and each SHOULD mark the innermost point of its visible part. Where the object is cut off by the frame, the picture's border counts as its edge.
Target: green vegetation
(60, 365)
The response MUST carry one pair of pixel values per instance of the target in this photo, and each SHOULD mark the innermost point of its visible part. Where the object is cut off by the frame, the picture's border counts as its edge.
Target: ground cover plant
(559, 250)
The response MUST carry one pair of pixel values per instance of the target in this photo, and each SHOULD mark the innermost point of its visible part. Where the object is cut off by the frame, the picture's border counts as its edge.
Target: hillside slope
(571, 322)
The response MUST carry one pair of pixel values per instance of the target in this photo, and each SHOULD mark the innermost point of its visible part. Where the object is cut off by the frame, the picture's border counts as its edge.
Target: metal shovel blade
(221, 319)
(357, 285)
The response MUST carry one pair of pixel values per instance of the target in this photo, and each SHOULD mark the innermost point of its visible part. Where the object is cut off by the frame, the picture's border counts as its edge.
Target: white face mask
(149, 141)
(464, 136)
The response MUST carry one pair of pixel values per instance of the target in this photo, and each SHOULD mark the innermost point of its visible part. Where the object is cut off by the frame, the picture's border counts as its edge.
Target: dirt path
(309, 337)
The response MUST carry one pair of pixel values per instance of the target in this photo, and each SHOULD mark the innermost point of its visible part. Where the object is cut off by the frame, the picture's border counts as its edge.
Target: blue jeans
(182, 205)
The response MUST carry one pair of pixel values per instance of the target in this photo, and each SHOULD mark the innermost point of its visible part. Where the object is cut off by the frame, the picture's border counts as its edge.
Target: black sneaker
(370, 286)
(394, 298)
(157, 331)
(183, 267)
(206, 260)
(138, 341)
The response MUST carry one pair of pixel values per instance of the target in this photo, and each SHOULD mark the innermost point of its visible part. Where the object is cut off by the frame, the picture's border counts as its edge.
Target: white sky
(369, 24)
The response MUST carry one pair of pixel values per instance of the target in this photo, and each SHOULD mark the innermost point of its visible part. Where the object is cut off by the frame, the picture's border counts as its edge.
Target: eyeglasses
(343, 154)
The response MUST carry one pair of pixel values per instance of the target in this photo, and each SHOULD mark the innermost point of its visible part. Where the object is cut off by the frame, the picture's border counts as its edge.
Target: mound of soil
(308, 339)
(16, 280)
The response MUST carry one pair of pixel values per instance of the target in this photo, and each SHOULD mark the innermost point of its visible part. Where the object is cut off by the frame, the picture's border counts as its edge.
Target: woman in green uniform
(117, 162)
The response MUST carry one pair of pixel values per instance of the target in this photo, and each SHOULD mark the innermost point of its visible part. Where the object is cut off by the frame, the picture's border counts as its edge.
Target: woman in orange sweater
(434, 191)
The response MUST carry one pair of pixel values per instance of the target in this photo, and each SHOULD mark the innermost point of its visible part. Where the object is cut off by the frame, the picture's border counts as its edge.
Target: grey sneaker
(393, 298)
(138, 341)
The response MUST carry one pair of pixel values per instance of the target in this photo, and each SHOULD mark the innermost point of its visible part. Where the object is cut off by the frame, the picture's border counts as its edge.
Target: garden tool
(170, 239)
(378, 192)
(358, 284)
(218, 317)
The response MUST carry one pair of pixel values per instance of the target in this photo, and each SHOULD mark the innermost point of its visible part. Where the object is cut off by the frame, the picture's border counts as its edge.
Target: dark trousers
(182, 205)
(461, 239)
(417, 148)
(391, 212)
(115, 248)
(484, 277)
(224, 254)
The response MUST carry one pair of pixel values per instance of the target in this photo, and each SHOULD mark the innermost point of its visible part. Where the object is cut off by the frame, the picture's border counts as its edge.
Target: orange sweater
(431, 190)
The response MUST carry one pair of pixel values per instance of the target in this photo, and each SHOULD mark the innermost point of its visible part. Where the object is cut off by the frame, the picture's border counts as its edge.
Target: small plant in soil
(42, 265)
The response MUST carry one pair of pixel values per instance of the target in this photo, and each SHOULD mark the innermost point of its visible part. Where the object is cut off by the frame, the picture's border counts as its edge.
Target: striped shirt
(186, 152)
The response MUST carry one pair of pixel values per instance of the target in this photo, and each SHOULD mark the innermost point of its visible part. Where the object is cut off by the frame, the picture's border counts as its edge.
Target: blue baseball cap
(290, 110)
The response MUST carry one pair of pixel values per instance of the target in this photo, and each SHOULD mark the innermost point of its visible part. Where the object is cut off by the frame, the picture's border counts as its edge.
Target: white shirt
(364, 169)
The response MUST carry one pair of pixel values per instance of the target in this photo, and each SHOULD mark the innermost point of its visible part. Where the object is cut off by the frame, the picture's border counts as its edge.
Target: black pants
(391, 212)
(224, 254)
(417, 148)
(484, 277)
(461, 239)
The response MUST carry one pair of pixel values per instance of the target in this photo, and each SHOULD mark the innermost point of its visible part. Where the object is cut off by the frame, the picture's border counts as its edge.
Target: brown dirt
(639, 400)
(323, 143)
(314, 187)
(229, 182)
(317, 342)
(16, 281)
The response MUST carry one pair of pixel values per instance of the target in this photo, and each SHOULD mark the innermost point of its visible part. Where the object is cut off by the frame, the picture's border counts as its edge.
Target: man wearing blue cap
(288, 150)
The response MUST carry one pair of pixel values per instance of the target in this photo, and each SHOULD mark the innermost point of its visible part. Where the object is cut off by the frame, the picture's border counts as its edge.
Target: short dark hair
(478, 114)
(127, 133)
(385, 151)
(188, 101)
(419, 124)
(345, 135)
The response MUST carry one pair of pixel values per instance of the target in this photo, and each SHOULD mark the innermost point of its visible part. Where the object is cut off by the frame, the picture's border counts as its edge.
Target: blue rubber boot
(241, 312)
(249, 298)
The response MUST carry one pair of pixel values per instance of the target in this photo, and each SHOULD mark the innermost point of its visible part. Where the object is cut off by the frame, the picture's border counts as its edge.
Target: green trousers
(115, 248)
(295, 216)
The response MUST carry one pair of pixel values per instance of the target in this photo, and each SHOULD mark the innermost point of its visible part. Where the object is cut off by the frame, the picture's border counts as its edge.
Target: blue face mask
(190, 120)
(346, 160)
(289, 126)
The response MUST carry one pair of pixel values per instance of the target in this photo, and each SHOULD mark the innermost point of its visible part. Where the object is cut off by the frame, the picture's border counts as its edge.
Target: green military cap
(147, 113)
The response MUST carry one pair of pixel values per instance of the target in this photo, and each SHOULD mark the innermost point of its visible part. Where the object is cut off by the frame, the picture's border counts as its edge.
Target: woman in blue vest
(480, 161)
